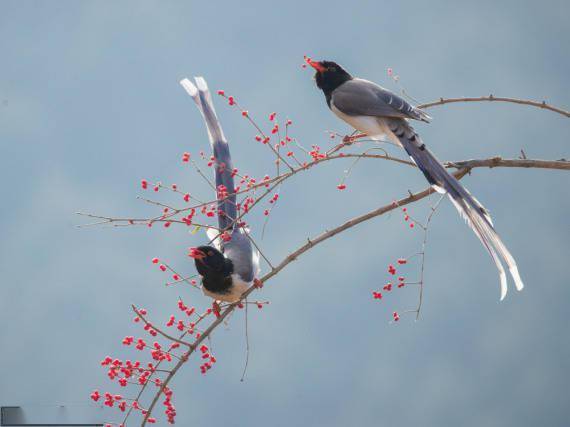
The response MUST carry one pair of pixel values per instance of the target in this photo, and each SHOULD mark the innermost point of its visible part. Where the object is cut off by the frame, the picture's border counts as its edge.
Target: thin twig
(164, 334)
(246, 343)
(492, 98)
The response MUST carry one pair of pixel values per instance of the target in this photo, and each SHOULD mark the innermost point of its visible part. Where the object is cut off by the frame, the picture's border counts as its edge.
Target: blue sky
(90, 104)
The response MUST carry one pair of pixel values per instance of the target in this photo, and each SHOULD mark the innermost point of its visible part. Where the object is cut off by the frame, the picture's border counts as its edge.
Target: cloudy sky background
(90, 104)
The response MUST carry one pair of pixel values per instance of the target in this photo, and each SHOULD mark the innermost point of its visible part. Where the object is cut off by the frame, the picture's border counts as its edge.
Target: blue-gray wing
(243, 255)
(227, 211)
(358, 97)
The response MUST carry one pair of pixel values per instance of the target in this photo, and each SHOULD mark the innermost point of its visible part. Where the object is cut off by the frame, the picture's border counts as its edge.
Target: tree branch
(491, 98)
(463, 167)
(494, 162)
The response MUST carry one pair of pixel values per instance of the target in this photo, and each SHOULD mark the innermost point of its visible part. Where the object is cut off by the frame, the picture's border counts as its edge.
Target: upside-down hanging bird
(379, 113)
(228, 266)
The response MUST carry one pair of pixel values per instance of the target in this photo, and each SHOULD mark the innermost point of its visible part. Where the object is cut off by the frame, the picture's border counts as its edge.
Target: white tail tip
(503, 278)
(516, 277)
(201, 83)
(189, 87)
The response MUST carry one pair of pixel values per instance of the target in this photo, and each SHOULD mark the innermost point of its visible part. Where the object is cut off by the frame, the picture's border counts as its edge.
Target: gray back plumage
(358, 97)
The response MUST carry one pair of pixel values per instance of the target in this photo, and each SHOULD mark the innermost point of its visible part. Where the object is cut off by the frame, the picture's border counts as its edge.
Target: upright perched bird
(227, 266)
(379, 113)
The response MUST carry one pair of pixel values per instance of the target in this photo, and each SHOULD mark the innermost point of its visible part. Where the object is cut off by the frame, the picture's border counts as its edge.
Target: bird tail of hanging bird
(476, 216)
(225, 189)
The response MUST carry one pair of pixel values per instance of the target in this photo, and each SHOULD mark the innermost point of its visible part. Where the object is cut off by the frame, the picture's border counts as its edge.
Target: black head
(329, 75)
(210, 261)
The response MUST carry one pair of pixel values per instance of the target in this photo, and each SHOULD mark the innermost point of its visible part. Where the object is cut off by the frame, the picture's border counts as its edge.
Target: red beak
(315, 64)
(196, 254)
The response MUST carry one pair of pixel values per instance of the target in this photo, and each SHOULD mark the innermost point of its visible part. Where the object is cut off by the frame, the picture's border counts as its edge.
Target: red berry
(155, 260)
(341, 186)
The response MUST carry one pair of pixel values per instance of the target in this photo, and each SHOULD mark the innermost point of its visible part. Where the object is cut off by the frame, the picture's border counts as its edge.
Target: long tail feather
(225, 187)
(476, 216)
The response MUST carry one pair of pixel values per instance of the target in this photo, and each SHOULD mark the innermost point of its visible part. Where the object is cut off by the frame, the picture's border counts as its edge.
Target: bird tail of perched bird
(476, 216)
(225, 188)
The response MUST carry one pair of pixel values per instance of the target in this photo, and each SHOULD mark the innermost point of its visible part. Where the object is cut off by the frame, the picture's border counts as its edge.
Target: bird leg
(257, 283)
(349, 139)
(216, 308)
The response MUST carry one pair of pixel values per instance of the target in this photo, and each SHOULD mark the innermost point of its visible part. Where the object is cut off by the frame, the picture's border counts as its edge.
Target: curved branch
(411, 198)
(491, 98)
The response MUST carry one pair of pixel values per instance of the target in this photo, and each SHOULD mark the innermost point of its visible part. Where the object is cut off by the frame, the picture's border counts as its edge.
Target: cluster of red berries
(137, 373)
(407, 218)
(209, 359)
(145, 184)
(316, 154)
(388, 286)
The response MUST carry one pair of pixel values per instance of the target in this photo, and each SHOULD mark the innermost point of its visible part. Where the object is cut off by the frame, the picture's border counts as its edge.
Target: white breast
(365, 124)
(238, 288)
(372, 126)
